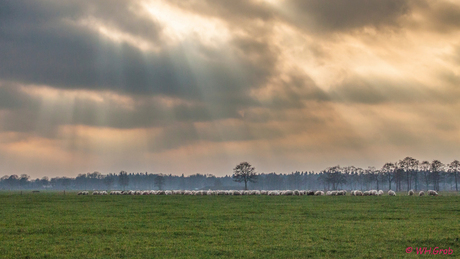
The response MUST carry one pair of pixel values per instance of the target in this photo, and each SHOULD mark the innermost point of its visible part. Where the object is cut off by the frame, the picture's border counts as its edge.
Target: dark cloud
(337, 15)
(236, 12)
(442, 16)
(378, 90)
(40, 46)
(11, 98)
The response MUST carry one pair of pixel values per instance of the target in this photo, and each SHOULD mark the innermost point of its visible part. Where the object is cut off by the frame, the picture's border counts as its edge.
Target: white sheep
(421, 193)
(391, 193)
(310, 193)
(410, 193)
(319, 193)
(288, 192)
(358, 193)
(380, 193)
(432, 193)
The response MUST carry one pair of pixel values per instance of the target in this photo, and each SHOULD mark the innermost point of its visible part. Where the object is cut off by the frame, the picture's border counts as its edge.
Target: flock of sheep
(254, 192)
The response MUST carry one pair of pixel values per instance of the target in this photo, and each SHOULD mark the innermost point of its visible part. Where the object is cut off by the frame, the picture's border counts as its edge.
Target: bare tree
(454, 168)
(334, 176)
(108, 181)
(24, 180)
(388, 171)
(409, 165)
(159, 181)
(425, 169)
(123, 179)
(435, 169)
(244, 172)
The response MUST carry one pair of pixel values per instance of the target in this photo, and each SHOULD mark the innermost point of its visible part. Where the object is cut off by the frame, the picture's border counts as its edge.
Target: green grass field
(52, 225)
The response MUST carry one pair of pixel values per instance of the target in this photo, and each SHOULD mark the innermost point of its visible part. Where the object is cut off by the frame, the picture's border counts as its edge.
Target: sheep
(273, 193)
(373, 192)
(391, 193)
(432, 193)
(288, 193)
(319, 193)
(95, 193)
(421, 193)
(366, 193)
(380, 193)
(410, 193)
(296, 193)
(310, 193)
(358, 193)
(188, 193)
(328, 193)
(263, 192)
(341, 193)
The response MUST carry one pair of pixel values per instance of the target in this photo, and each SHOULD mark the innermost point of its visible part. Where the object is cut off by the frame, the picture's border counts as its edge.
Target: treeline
(403, 175)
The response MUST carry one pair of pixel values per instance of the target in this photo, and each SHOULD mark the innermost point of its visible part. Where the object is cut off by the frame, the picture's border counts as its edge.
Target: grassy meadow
(53, 225)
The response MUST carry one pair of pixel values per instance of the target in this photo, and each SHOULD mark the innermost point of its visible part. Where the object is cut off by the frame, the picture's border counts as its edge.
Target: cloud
(336, 15)
(288, 83)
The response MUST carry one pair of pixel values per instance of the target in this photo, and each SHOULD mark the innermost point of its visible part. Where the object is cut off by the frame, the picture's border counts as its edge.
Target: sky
(198, 86)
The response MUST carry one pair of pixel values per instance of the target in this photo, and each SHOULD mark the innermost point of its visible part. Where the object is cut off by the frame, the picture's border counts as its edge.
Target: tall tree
(454, 168)
(123, 179)
(159, 181)
(425, 170)
(108, 181)
(244, 172)
(388, 170)
(436, 169)
(24, 181)
(409, 165)
(335, 177)
(65, 182)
